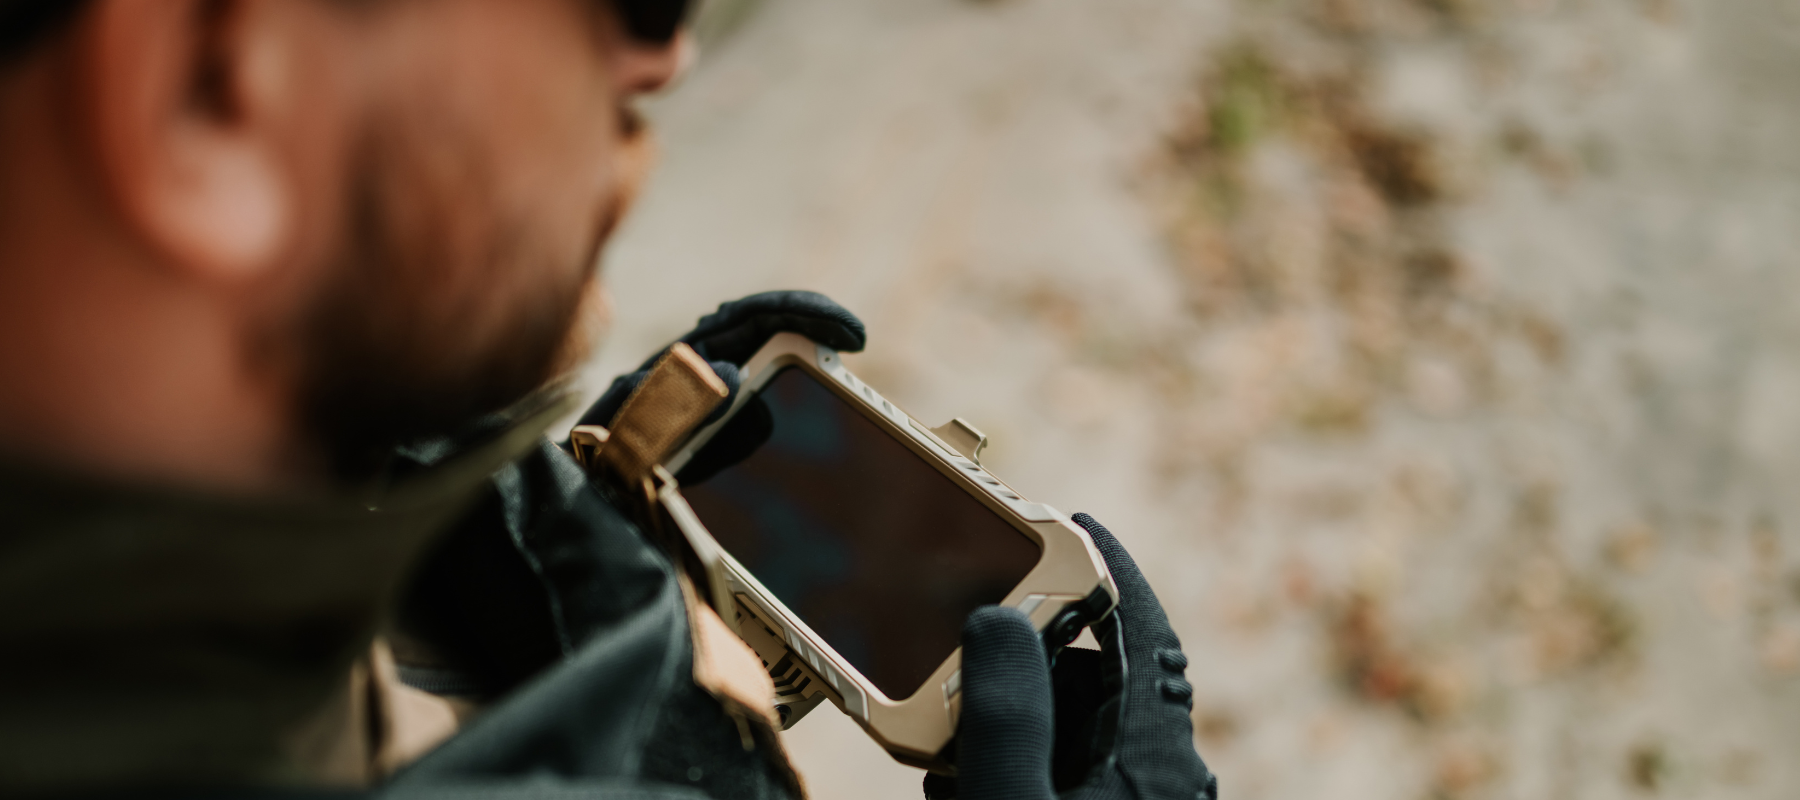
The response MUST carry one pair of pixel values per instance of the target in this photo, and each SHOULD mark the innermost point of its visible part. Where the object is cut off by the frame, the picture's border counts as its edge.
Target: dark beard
(419, 329)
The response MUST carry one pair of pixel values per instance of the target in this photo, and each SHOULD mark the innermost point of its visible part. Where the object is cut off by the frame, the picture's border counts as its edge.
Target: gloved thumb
(1007, 725)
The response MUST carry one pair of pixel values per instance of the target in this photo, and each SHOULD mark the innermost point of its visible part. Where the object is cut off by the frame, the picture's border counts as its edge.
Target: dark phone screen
(869, 544)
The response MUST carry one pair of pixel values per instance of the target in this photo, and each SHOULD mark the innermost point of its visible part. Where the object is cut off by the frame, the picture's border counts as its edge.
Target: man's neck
(88, 388)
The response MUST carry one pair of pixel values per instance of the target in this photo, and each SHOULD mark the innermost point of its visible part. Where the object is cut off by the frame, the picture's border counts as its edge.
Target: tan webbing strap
(680, 390)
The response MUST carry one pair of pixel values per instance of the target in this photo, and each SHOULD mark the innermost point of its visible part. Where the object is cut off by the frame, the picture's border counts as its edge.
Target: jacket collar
(158, 634)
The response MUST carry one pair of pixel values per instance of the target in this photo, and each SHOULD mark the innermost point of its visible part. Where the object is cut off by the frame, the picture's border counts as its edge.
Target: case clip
(965, 438)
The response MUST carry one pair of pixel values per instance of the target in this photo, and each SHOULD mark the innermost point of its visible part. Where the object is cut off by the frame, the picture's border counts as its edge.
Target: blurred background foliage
(1439, 359)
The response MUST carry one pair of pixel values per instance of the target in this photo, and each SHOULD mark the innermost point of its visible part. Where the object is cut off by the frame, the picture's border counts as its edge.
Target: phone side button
(952, 685)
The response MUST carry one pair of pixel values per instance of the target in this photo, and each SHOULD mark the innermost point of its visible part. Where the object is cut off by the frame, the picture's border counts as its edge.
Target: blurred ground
(1438, 359)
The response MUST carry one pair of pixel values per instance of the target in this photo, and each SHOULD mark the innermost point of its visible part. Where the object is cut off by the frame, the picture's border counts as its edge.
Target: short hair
(26, 24)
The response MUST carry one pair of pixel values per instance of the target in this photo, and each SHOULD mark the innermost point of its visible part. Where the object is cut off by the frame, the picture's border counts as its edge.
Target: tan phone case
(1068, 589)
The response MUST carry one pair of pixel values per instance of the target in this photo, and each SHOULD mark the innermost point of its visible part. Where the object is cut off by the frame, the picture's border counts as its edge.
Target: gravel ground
(1438, 359)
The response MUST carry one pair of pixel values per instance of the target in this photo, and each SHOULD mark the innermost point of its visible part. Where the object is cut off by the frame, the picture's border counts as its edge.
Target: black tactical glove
(1116, 724)
(516, 585)
(728, 337)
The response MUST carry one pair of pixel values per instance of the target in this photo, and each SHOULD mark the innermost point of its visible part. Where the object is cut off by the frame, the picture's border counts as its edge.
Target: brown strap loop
(679, 392)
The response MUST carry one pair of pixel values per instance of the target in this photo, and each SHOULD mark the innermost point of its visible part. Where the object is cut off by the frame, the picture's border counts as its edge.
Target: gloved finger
(1143, 625)
(739, 328)
(1005, 732)
(1086, 685)
(604, 409)
(1156, 729)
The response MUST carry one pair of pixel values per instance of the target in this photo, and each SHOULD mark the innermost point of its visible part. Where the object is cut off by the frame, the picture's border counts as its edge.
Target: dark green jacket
(156, 640)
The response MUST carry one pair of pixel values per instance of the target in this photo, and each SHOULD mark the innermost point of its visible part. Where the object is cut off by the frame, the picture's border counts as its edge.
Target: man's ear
(178, 99)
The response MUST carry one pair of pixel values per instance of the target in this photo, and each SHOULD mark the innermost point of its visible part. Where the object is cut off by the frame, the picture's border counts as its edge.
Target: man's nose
(644, 67)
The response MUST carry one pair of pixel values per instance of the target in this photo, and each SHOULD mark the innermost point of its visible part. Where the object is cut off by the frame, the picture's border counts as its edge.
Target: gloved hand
(512, 588)
(1115, 725)
(728, 337)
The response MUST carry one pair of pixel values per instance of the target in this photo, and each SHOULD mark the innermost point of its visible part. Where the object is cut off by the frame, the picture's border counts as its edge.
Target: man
(282, 283)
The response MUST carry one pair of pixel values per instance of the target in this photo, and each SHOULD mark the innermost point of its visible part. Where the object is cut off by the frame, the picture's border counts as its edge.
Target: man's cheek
(637, 154)
(580, 203)
(614, 187)
(593, 320)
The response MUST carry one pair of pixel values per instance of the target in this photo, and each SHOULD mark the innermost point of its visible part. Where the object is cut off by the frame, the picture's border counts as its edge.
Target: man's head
(283, 234)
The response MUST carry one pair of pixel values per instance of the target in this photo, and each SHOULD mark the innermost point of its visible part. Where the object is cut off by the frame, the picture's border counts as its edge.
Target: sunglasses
(654, 21)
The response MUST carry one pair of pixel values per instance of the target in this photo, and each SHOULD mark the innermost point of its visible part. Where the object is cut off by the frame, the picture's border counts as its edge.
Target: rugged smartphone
(846, 543)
